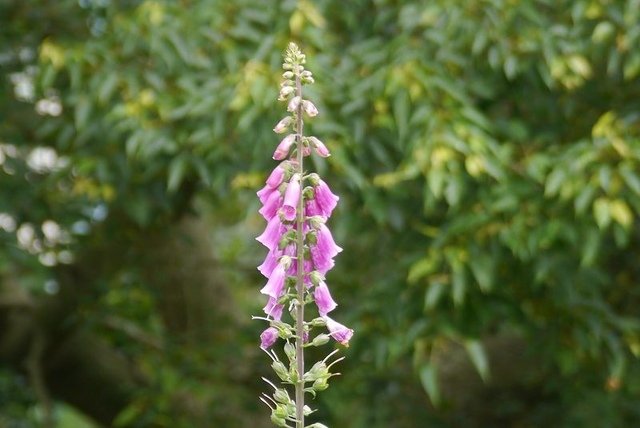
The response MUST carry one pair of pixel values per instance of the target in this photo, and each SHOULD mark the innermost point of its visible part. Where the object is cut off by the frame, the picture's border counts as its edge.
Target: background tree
(487, 154)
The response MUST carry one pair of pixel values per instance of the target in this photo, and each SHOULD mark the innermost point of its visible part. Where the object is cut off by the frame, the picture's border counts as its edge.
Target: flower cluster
(301, 250)
(280, 199)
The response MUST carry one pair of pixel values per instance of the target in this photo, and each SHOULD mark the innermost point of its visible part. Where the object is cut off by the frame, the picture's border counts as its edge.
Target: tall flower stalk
(296, 206)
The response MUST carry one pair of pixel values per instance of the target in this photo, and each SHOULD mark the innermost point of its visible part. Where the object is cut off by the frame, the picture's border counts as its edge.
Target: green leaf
(601, 212)
(433, 295)
(82, 111)
(459, 282)
(177, 169)
(429, 380)
(482, 267)
(621, 213)
(478, 357)
(631, 178)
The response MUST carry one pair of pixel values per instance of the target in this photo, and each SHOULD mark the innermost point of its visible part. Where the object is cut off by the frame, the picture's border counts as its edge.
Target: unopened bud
(283, 148)
(290, 350)
(282, 125)
(309, 108)
(319, 321)
(287, 75)
(293, 104)
(285, 91)
(306, 410)
(319, 147)
(320, 340)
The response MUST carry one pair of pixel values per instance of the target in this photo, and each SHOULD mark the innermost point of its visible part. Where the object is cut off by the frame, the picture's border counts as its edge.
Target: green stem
(300, 265)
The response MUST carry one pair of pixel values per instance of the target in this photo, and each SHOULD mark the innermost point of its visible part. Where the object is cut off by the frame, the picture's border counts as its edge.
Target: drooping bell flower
(291, 198)
(273, 309)
(276, 176)
(321, 262)
(270, 262)
(325, 242)
(268, 338)
(272, 233)
(325, 199)
(265, 192)
(283, 148)
(319, 147)
(323, 299)
(339, 332)
(271, 205)
(311, 208)
(275, 284)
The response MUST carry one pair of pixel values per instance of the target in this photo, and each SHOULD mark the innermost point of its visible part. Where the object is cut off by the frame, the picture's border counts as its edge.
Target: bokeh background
(487, 155)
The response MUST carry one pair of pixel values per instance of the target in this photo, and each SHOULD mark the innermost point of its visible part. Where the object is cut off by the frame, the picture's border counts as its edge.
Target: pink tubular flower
(265, 192)
(323, 299)
(291, 198)
(276, 177)
(273, 309)
(319, 147)
(272, 233)
(282, 125)
(275, 284)
(339, 332)
(283, 148)
(268, 338)
(269, 263)
(321, 262)
(325, 199)
(326, 244)
(311, 208)
(270, 207)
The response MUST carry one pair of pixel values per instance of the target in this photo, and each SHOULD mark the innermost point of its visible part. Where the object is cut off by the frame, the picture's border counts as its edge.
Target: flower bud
(317, 425)
(287, 75)
(306, 410)
(285, 91)
(309, 108)
(290, 351)
(283, 125)
(293, 104)
(268, 338)
(281, 370)
(283, 148)
(318, 322)
(319, 147)
(320, 340)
